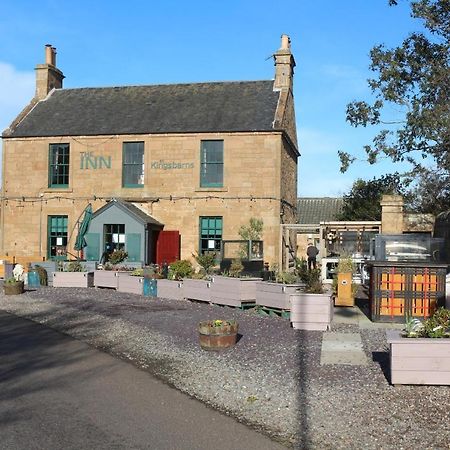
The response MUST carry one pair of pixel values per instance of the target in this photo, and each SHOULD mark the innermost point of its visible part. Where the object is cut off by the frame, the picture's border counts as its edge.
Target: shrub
(180, 269)
(117, 256)
(206, 261)
(42, 273)
(286, 277)
(236, 268)
(74, 266)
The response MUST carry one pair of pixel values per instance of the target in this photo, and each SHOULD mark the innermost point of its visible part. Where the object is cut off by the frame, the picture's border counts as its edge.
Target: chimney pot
(48, 54)
(285, 42)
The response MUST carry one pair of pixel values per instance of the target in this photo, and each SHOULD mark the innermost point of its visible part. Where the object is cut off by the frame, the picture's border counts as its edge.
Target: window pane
(211, 164)
(59, 160)
(133, 164)
(210, 234)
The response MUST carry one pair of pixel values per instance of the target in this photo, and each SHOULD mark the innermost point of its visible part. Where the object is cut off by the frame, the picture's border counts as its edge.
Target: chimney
(48, 77)
(391, 214)
(284, 65)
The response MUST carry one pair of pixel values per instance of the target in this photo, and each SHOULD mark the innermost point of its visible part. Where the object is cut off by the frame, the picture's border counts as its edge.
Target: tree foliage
(412, 79)
(362, 202)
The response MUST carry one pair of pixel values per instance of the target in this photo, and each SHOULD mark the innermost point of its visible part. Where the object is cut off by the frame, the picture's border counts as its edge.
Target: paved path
(342, 348)
(59, 393)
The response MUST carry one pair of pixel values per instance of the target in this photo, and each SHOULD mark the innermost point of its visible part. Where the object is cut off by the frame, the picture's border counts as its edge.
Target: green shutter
(92, 250)
(133, 247)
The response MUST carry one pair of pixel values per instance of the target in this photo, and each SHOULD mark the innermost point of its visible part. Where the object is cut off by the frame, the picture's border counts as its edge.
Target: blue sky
(110, 43)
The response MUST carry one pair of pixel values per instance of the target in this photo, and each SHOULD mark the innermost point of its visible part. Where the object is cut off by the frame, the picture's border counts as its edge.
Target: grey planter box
(170, 289)
(197, 290)
(311, 311)
(108, 278)
(73, 279)
(233, 291)
(275, 295)
(130, 284)
(419, 360)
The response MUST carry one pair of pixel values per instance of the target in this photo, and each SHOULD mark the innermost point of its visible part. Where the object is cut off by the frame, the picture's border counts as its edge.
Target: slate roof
(130, 209)
(313, 210)
(175, 108)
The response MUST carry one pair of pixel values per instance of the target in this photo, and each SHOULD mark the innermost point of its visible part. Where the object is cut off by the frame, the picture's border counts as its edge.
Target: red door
(167, 247)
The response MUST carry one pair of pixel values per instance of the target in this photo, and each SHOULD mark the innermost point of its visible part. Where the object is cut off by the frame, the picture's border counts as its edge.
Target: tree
(363, 200)
(414, 79)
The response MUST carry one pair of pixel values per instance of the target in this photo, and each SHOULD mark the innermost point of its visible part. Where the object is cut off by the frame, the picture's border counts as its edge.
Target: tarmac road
(59, 393)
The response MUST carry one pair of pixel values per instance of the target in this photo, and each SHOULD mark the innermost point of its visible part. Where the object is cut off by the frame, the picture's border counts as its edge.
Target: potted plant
(420, 354)
(217, 334)
(275, 294)
(15, 284)
(172, 287)
(197, 286)
(108, 276)
(231, 289)
(312, 306)
(74, 275)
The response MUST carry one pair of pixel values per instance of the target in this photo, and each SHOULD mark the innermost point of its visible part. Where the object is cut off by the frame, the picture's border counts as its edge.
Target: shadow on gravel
(29, 355)
(303, 391)
(382, 358)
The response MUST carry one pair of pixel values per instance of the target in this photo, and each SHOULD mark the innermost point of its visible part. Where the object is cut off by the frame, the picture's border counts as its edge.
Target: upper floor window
(211, 164)
(58, 170)
(133, 164)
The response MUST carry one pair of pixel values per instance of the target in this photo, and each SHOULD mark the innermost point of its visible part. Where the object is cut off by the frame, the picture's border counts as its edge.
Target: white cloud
(16, 90)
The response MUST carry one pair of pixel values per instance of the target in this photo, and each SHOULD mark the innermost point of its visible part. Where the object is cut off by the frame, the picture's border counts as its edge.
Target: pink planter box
(275, 295)
(419, 360)
(170, 289)
(108, 278)
(73, 279)
(197, 289)
(311, 311)
(233, 291)
(130, 284)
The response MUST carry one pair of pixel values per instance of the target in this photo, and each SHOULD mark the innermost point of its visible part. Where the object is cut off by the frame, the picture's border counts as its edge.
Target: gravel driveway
(272, 380)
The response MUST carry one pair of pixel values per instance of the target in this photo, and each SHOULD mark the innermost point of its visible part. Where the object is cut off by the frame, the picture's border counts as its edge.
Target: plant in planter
(117, 256)
(311, 306)
(74, 275)
(206, 261)
(217, 334)
(420, 354)
(231, 289)
(180, 269)
(43, 276)
(15, 284)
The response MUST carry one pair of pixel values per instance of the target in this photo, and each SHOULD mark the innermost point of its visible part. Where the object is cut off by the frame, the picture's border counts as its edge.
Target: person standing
(311, 253)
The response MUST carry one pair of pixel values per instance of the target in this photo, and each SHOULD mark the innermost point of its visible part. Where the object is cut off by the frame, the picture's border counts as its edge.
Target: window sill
(133, 186)
(56, 189)
(211, 189)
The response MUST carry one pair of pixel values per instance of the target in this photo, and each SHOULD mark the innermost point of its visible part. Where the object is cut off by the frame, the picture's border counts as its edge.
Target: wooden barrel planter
(218, 334)
(14, 288)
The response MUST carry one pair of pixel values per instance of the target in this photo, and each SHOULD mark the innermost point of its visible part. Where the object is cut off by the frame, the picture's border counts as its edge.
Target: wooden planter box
(275, 295)
(197, 289)
(73, 279)
(311, 311)
(233, 291)
(130, 284)
(170, 289)
(345, 295)
(419, 360)
(108, 278)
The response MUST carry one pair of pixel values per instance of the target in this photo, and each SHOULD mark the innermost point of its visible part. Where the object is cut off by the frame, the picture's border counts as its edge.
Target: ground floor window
(210, 234)
(57, 237)
(114, 237)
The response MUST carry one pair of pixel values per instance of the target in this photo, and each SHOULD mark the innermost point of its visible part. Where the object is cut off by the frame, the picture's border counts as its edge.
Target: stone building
(179, 166)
